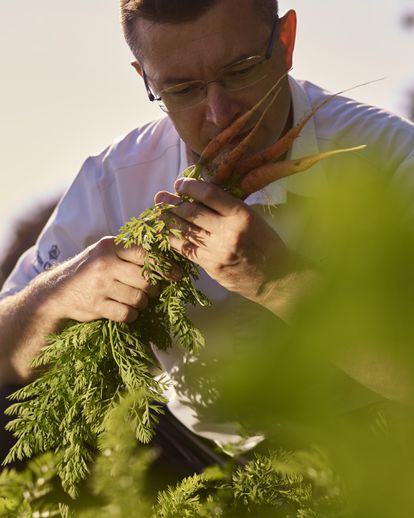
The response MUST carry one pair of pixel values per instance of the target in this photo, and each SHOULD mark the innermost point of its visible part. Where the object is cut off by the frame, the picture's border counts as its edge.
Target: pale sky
(67, 89)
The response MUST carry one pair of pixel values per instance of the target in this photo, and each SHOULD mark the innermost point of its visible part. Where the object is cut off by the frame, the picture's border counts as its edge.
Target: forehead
(229, 31)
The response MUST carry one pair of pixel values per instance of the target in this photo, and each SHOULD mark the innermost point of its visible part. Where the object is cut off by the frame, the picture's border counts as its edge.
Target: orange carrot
(227, 164)
(281, 146)
(265, 174)
(217, 144)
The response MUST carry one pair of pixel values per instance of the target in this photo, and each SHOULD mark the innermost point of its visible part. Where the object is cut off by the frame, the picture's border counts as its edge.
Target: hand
(232, 243)
(104, 281)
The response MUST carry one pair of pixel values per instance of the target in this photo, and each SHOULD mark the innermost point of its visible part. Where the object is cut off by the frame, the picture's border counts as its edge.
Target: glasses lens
(240, 75)
(244, 73)
(182, 96)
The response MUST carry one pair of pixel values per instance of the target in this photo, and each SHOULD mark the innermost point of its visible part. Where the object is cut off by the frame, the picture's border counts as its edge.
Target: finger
(134, 254)
(131, 275)
(190, 232)
(118, 312)
(133, 297)
(167, 197)
(209, 195)
(196, 253)
(195, 213)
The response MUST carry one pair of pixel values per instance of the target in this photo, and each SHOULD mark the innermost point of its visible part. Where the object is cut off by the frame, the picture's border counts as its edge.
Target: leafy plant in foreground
(32, 492)
(280, 483)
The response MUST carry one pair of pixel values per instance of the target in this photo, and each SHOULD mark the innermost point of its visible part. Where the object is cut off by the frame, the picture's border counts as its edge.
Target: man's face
(229, 32)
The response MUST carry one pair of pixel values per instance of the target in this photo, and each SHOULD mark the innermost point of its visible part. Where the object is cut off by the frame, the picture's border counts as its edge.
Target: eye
(183, 90)
(241, 71)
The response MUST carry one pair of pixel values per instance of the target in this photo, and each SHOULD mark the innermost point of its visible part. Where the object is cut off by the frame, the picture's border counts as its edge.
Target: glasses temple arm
(273, 37)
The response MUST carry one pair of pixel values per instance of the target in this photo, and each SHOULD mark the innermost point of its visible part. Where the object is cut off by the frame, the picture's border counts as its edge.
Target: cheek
(190, 128)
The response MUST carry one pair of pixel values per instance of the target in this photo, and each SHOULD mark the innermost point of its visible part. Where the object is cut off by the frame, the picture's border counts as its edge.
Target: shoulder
(123, 179)
(149, 151)
(345, 122)
(143, 144)
(343, 112)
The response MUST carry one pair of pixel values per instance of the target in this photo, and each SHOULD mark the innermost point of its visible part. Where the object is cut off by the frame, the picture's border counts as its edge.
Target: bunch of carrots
(243, 175)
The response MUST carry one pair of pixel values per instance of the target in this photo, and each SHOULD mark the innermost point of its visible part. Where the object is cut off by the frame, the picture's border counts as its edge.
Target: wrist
(26, 319)
(45, 299)
(281, 294)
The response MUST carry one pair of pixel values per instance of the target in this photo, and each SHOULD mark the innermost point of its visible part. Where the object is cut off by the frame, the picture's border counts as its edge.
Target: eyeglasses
(239, 75)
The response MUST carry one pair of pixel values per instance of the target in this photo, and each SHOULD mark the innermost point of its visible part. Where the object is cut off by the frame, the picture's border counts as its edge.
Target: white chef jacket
(121, 182)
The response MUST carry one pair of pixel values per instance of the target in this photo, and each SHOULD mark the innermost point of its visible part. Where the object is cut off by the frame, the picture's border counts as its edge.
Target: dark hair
(174, 11)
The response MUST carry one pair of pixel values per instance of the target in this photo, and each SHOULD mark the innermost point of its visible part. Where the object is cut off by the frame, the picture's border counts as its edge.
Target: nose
(221, 107)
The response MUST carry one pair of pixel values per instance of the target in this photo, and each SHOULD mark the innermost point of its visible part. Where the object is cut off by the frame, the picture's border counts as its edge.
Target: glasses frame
(268, 54)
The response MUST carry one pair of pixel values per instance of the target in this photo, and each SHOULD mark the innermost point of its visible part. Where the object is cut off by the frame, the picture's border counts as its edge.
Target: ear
(137, 67)
(288, 36)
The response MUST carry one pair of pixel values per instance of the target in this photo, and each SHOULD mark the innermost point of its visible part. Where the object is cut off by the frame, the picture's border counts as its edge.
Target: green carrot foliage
(90, 366)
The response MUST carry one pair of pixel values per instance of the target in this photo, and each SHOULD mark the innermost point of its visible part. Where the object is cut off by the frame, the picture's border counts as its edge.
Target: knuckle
(234, 241)
(208, 194)
(97, 272)
(230, 257)
(143, 301)
(151, 289)
(244, 217)
(100, 263)
(136, 297)
(139, 253)
(90, 272)
(190, 210)
(134, 254)
(139, 299)
(124, 313)
(99, 252)
(236, 237)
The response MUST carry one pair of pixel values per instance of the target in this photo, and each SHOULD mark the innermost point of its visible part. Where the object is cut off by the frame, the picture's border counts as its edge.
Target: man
(190, 55)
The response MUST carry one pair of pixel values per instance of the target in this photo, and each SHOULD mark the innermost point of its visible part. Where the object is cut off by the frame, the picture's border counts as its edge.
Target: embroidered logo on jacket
(53, 255)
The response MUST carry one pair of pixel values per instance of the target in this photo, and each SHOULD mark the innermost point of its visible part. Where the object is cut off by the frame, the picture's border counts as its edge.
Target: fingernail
(159, 197)
(178, 184)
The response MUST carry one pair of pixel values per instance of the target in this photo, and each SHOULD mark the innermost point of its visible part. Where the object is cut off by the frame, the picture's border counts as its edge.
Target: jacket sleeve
(78, 221)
